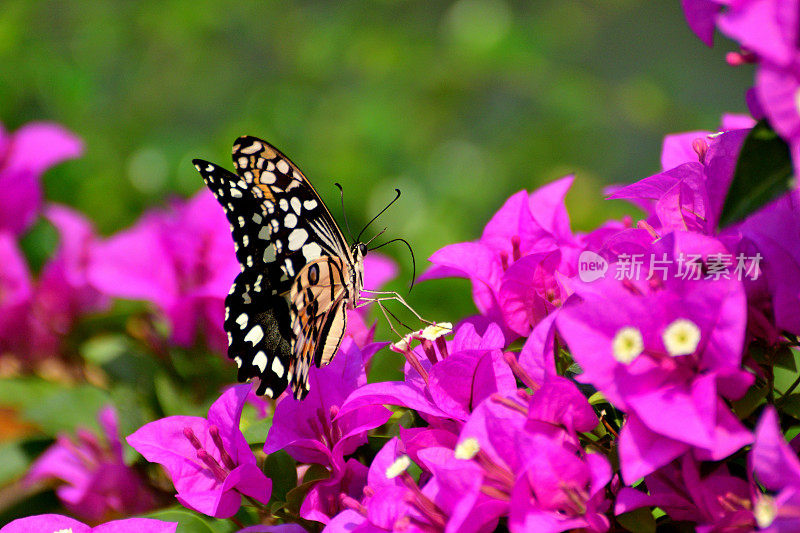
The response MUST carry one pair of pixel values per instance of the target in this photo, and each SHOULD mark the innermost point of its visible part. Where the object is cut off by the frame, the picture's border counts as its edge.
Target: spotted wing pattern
(287, 308)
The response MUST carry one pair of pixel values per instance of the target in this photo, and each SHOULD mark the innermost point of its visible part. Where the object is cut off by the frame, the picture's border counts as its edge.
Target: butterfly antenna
(413, 262)
(379, 214)
(375, 237)
(344, 212)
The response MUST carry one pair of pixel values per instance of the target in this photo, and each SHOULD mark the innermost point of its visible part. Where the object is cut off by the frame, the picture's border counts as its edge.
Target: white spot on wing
(236, 193)
(269, 254)
(297, 239)
(296, 207)
(242, 320)
(268, 178)
(260, 360)
(283, 166)
(253, 148)
(312, 251)
(310, 204)
(257, 218)
(255, 335)
(283, 204)
(277, 367)
(290, 221)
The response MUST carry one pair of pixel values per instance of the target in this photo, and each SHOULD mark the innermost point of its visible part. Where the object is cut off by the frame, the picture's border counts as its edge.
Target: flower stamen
(681, 337)
(627, 345)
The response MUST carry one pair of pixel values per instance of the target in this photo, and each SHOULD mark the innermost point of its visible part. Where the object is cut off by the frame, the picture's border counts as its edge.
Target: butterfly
(288, 307)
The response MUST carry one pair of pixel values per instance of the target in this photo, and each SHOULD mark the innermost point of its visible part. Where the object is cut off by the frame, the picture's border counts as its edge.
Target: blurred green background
(458, 104)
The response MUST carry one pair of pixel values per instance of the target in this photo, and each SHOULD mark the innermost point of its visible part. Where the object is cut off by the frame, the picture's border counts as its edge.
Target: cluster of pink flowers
(609, 379)
(769, 35)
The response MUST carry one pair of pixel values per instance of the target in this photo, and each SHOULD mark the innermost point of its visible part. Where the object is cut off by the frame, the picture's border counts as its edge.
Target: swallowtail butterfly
(288, 307)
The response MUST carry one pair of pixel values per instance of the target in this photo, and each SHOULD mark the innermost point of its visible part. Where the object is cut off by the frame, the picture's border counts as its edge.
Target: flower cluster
(767, 31)
(37, 313)
(619, 378)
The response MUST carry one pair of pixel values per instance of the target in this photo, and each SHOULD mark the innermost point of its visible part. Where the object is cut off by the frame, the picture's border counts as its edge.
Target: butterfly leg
(383, 296)
(386, 314)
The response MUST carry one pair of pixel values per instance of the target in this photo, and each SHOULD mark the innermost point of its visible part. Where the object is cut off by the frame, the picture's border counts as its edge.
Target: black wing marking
(280, 225)
(283, 185)
(242, 209)
(259, 334)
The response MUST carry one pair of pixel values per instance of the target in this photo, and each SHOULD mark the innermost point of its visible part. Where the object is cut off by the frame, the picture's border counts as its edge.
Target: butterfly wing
(310, 249)
(318, 317)
(281, 228)
(257, 316)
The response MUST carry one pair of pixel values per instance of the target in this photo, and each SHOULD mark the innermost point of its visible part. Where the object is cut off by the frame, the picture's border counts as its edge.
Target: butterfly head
(359, 250)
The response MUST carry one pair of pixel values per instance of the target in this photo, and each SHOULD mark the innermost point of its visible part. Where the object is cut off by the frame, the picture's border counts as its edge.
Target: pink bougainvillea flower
(208, 460)
(440, 383)
(16, 293)
(690, 195)
(24, 156)
(772, 232)
(766, 27)
(316, 429)
(776, 89)
(525, 224)
(63, 289)
(775, 465)
(325, 499)
(532, 466)
(394, 501)
(182, 260)
(35, 317)
(98, 484)
(54, 523)
(667, 351)
(688, 491)
(701, 17)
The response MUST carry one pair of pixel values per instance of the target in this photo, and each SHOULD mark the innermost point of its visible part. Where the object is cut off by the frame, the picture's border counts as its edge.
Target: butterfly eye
(362, 249)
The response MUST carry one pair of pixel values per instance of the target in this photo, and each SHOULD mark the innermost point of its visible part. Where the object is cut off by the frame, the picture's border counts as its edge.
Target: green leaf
(66, 409)
(189, 522)
(295, 497)
(20, 392)
(790, 405)
(281, 469)
(13, 461)
(597, 398)
(785, 358)
(763, 172)
(638, 521)
(170, 399)
(103, 349)
(744, 406)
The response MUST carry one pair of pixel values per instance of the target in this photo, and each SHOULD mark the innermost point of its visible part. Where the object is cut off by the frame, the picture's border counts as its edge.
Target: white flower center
(627, 345)
(434, 331)
(467, 448)
(681, 337)
(68, 530)
(765, 511)
(399, 466)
